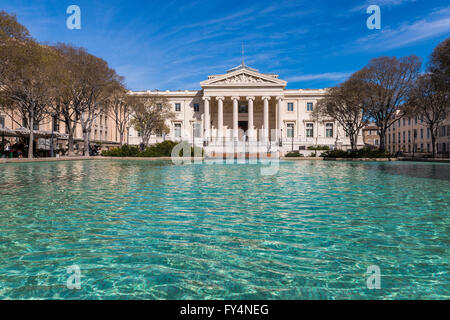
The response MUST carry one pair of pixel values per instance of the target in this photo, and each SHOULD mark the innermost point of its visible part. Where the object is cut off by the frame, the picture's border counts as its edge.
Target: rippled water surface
(153, 230)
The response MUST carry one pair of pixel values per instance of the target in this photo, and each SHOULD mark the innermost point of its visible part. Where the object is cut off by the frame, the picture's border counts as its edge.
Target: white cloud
(334, 76)
(436, 24)
(381, 3)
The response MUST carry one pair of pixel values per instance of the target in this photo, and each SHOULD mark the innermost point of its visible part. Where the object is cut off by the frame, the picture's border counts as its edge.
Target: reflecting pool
(154, 230)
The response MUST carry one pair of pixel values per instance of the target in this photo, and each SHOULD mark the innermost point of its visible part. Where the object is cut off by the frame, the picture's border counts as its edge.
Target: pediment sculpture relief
(241, 78)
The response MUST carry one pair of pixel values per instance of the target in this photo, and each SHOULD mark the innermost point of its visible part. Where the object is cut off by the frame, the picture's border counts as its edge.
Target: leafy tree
(96, 80)
(26, 70)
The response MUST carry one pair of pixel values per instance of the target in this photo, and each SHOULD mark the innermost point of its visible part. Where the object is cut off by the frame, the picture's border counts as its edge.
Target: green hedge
(163, 149)
(318, 148)
(124, 151)
(294, 154)
(360, 153)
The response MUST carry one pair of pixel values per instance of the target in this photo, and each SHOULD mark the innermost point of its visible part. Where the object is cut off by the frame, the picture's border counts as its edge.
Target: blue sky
(173, 45)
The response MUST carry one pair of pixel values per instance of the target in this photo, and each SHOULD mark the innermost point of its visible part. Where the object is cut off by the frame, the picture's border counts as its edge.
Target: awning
(25, 133)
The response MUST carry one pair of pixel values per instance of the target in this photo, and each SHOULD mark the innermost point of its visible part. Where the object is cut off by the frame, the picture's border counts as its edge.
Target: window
(158, 133)
(196, 107)
(197, 130)
(243, 108)
(399, 138)
(428, 133)
(159, 106)
(290, 130)
(309, 106)
(409, 136)
(421, 133)
(404, 136)
(376, 142)
(409, 121)
(421, 147)
(290, 106)
(106, 121)
(177, 130)
(101, 121)
(35, 125)
(329, 130)
(428, 147)
(404, 121)
(177, 107)
(2, 122)
(309, 130)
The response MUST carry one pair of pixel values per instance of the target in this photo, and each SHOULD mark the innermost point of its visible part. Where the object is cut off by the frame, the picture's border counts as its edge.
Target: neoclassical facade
(245, 107)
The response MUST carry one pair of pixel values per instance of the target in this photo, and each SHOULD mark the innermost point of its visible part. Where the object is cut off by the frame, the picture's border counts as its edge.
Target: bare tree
(149, 116)
(119, 106)
(345, 104)
(388, 81)
(429, 98)
(439, 65)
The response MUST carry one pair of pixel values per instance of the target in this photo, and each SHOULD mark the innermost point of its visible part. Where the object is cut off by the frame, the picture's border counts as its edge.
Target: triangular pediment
(244, 77)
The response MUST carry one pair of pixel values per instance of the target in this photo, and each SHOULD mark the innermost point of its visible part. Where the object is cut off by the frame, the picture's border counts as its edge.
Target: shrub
(360, 153)
(124, 151)
(294, 154)
(163, 149)
(318, 148)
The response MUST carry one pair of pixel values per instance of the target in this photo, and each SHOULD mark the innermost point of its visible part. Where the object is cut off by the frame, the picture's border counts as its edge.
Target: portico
(242, 95)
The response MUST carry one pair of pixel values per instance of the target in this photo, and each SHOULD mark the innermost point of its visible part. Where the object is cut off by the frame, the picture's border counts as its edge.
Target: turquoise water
(153, 230)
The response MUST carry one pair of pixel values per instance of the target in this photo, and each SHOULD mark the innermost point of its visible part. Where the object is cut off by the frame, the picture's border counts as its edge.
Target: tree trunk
(31, 142)
(121, 138)
(70, 142)
(86, 143)
(433, 142)
(352, 141)
(382, 140)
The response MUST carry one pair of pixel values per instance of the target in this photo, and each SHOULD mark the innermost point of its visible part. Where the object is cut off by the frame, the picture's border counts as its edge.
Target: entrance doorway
(242, 125)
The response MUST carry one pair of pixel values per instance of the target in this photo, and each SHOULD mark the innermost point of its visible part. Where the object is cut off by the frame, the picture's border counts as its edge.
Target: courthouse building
(243, 108)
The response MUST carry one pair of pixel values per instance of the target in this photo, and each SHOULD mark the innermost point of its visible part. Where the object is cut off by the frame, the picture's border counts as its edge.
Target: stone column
(280, 120)
(235, 118)
(220, 117)
(250, 118)
(266, 118)
(206, 119)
